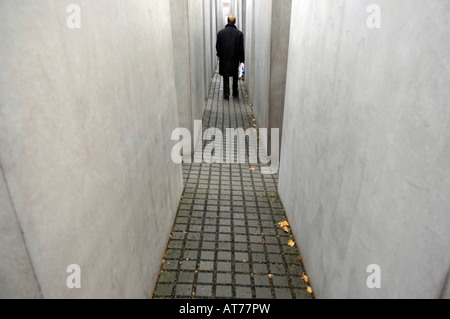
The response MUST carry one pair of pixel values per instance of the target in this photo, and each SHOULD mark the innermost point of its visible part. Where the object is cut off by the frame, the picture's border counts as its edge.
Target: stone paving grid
(226, 240)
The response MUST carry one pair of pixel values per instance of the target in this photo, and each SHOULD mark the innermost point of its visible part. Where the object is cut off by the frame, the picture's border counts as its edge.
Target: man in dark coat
(230, 50)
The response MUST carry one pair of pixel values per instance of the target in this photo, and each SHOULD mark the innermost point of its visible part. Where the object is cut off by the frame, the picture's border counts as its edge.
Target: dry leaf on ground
(282, 224)
(309, 289)
(285, 226)
(305, 278)
(291, 243)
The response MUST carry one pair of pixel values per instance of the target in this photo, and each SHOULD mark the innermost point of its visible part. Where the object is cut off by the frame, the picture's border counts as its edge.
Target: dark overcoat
(230, 50)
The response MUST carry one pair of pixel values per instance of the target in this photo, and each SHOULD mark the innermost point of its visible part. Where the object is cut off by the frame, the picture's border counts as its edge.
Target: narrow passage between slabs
(226, 241)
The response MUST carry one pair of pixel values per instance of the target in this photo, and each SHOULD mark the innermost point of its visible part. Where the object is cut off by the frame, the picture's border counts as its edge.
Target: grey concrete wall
(249, 47)
(85, 122)
(220, 16)
(239, 14)
(281, 25)
(214, 32)
(268, 25)
(261, 63)
(188, 27)
(233, 8)
(244, 13)
(210, 33)
(365, 163)
(180, 41)
(236, 9)
(197, 60)
(17, 279)
(207, 30)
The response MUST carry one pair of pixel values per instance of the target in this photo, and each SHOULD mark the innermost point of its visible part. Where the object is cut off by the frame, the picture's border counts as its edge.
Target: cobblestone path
(226, 241)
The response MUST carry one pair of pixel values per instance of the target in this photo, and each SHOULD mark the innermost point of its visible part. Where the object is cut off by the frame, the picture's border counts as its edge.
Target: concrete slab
(86, 117)
(365, 162)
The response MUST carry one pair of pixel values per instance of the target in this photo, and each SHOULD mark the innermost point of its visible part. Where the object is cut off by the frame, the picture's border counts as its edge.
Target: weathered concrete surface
(268, 25)
(281, 25)
(214, 32)
(365, 163)
(249, 47)
(180, 41)
(236, 9)
(85, 122)
(261, 63)
(239, 13)
(197, 60)
(189, 58)
(213, 38)
(210, 33)
(220, 16)
(244, 14)
(207, 30)
(233, 9)
(17, 278)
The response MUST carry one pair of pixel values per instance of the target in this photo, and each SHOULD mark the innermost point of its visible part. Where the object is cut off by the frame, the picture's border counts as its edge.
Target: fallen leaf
(270, 275)
(291, 243)
(244, 261)
(309, 289)
(284, 225)
(305, 278)
(252, 169)
(299, 258)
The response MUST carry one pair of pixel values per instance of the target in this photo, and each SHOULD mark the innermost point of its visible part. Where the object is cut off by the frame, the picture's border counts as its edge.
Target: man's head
(232, 19)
